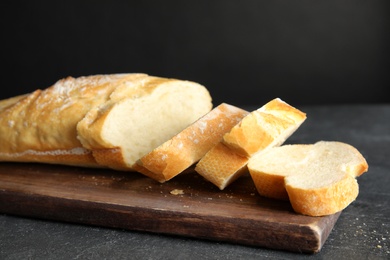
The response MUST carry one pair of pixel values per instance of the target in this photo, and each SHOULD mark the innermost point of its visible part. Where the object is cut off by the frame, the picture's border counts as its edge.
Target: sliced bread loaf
(187, 147)
(263, 128)
(318, 179)
(100, 120)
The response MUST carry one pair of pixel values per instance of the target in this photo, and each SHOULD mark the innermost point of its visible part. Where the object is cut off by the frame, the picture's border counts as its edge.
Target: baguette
(187, 147)
(263, 128)
(98, 121)
(318, 179)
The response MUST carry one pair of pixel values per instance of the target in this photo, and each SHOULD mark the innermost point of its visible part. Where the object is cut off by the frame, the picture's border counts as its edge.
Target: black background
(244, 52)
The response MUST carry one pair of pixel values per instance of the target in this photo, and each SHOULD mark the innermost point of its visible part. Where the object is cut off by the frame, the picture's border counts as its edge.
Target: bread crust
(269, 185)
(187, 147)
(72, 157)
(262, 127)
(221, 166)
(326, 200)
(112, 157)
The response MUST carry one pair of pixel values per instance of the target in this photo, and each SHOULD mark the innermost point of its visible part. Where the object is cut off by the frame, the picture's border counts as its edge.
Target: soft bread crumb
(176, 192)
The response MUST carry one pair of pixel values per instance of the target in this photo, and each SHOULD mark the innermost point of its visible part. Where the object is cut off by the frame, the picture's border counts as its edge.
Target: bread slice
(318, 179)
(67, 122)
(263, 128)
(187, 147)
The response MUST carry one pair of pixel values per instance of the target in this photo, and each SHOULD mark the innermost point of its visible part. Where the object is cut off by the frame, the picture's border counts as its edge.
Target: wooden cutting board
(186, 206)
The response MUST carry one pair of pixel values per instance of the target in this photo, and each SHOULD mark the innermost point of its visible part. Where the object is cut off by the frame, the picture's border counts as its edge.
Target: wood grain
(128, 200)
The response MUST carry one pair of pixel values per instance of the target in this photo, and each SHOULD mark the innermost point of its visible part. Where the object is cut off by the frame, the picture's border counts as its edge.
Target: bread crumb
(177, 192)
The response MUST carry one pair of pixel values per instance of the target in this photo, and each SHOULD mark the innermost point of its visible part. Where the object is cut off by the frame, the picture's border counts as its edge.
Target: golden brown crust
(221, 166)
(325, 200)
(112, 157)
(260, 128)
(191, 144)
(6, 103)
(72, 157)
(270, 185)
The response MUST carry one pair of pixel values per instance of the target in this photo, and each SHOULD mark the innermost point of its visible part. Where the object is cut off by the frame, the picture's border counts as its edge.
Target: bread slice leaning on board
(98, 121)
(190, 145)
(263, 128)
(318, 179)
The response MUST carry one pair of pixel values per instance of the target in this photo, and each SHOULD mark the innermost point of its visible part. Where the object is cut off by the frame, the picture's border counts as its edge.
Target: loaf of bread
(263, 128)
(160, 127)
(187, 147)
(98, 121)
(318, 179)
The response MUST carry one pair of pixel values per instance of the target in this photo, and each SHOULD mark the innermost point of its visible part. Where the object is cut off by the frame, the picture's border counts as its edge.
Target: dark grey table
(361, 232)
